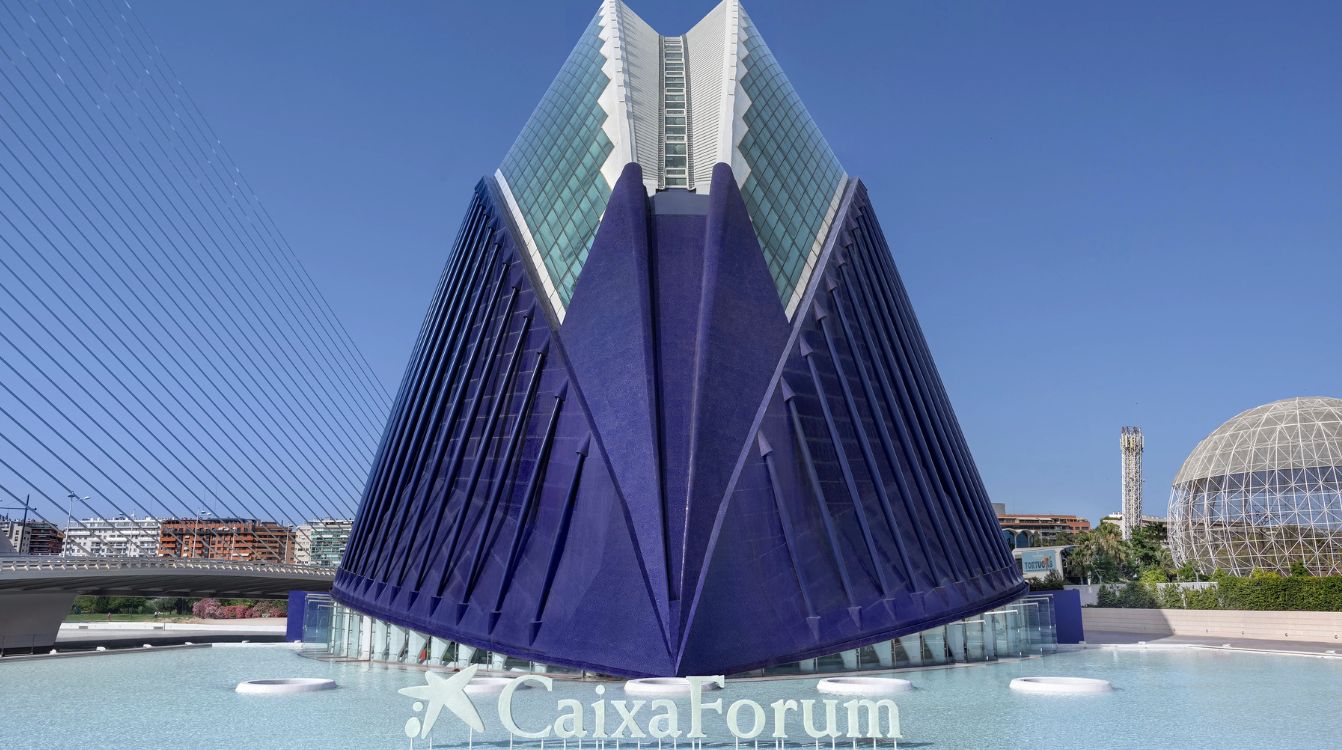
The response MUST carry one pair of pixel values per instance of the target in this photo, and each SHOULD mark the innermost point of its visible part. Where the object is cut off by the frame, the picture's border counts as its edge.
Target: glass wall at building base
(1022, 628)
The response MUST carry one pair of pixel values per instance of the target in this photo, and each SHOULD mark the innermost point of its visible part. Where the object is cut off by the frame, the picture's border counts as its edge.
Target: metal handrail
(55, 563)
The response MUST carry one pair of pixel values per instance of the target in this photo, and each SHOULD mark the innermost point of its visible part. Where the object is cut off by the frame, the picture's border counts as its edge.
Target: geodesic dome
(1264, 491)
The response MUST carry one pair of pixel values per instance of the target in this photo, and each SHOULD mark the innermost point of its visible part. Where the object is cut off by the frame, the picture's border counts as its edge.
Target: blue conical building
(670, 411)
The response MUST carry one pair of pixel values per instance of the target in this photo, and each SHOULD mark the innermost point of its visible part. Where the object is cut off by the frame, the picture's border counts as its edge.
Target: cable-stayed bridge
(163, 353)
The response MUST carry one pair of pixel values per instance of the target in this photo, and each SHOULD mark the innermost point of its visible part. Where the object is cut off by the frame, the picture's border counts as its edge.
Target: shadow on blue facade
(677, 479)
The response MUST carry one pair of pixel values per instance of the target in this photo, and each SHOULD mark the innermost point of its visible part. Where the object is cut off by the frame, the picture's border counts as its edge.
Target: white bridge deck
(157, 576)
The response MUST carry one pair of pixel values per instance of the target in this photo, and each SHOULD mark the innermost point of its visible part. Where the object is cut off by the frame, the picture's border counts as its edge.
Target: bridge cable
(94, 161)
(99, 232)
(372, 386)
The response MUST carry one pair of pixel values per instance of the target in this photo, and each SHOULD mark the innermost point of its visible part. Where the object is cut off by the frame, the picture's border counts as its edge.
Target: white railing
(56, 563)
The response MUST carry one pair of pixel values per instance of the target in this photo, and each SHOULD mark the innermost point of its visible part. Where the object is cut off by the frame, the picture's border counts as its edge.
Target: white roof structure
(714, 64)
(676, 106)
(1264, 491)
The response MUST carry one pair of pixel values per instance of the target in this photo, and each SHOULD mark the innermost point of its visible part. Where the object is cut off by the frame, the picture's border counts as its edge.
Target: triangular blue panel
(679, 479)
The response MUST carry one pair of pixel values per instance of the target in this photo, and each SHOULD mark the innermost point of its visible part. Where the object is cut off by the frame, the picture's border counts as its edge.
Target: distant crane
(1130, 440)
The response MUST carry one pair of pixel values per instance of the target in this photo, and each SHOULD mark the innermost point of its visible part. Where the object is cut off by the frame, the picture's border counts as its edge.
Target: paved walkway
(1103, 638)
(269, 624)
(90, 635)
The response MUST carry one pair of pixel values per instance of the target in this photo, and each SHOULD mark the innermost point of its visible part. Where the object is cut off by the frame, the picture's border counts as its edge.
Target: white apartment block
(322, 543)
(113, 537)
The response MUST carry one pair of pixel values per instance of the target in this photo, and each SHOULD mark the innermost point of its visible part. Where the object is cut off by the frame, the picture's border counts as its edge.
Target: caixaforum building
(670, 410)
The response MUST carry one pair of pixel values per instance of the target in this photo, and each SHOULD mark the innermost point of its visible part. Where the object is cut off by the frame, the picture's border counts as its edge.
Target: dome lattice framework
(1264, 491)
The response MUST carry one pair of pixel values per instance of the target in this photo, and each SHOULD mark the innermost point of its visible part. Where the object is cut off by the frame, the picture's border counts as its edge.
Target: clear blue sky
(1106, 213)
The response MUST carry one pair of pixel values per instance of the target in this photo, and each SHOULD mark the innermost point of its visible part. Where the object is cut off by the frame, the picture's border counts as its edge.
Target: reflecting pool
(1186, 699)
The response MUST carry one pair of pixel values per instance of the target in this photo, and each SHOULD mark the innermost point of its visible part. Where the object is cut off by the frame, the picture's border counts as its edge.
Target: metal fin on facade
(677, 479)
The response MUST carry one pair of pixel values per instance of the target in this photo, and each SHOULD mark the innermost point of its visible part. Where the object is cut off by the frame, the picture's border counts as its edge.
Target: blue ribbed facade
(713, 458)
(677, 479)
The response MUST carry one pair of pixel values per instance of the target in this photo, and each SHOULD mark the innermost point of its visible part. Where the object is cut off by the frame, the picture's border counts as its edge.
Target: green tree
(169, 605)
(1051, 582)
(1153, 576)
(1188, 572)
(1138, 596)
(1148, 549)
(1099, 555)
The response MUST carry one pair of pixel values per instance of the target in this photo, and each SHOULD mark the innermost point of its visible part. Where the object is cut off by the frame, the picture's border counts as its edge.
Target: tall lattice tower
(1130, 440)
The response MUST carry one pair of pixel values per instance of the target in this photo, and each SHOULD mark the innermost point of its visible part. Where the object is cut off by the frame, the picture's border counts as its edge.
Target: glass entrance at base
(1019, 629)
(1022, 628)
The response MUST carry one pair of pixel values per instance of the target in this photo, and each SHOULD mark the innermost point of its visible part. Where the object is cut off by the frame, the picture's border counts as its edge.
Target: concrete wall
(1317, 627)
(31, 621)
(297, 608)
(1066, 615)
(1089, 593)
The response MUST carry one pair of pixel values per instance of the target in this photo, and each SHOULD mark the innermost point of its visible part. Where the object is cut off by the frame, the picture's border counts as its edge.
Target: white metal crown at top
(676, 106)
(648, 91)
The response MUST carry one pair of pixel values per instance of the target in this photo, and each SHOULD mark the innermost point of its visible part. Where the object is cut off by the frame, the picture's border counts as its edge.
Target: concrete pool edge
(108, 652)
(1223, 648)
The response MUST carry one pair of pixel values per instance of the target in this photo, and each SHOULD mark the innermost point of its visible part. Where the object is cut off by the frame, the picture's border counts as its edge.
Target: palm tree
(1100, 552)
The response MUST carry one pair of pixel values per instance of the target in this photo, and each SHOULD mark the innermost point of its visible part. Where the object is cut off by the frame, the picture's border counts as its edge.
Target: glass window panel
(794, 174)
(554, 167)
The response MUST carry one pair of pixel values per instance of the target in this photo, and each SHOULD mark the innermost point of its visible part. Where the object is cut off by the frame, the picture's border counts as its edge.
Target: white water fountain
(663, 686)
(863, 685)
(285, 686)
(1061, 685)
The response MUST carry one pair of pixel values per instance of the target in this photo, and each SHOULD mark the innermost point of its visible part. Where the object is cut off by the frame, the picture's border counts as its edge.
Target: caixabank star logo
(441, 692)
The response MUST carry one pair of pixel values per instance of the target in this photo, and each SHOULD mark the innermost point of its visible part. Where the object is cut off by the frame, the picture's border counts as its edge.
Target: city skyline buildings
(241, 539)
(319, 542)
(116, 536)
(31, 537)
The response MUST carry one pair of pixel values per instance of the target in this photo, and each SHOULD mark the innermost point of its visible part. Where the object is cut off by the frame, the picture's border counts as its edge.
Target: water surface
(1178, 700)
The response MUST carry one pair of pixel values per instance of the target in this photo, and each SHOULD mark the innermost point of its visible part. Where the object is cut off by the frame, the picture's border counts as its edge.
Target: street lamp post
(70, 508)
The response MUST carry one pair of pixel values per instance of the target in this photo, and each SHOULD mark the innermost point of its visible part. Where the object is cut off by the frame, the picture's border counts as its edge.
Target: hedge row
(1266, 592)
(213, 609)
